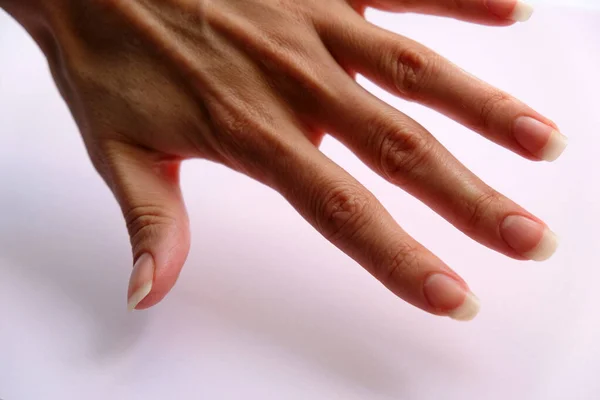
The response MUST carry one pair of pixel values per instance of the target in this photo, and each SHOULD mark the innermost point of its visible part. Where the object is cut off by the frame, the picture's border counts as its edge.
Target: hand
(254, 85)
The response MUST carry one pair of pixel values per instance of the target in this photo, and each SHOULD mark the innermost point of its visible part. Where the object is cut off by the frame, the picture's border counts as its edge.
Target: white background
(567, 3)
(266, 308)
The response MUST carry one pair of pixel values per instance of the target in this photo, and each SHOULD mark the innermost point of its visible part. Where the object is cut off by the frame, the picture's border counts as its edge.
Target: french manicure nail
(140, 284)
(529, 238)
(520, 12)
(539, 139)
(447, 295)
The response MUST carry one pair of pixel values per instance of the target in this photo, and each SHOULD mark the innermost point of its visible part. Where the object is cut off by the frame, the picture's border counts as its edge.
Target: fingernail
(520, 12)
(540, 139)
(141, 280)
(448, 296)
(528, 237)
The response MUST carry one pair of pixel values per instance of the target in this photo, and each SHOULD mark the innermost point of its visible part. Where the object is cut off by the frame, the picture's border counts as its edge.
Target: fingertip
(528, 237)
(545, 248)
(468, 310)
(522, 12)
(138, 296)
(447, 296)
(540, 139)
(517, 11)
(557, 144)
(141, 281)
(157, 269)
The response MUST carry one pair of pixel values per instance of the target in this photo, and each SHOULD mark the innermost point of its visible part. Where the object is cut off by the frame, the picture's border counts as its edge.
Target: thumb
(146, 185)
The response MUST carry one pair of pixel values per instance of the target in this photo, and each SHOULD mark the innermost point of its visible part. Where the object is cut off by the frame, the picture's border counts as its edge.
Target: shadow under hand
(279, 298)
(64, 240)
(69, 241)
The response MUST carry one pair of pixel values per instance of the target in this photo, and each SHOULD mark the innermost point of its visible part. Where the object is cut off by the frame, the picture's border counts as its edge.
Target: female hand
(254, 85)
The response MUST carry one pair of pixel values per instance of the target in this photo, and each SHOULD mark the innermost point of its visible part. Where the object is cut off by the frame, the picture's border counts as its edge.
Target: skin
(254, 85)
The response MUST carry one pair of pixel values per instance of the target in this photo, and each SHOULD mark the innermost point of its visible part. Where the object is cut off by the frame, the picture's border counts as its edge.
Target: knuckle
(249, 141)
(233, 123)
(342, 212)
(144, 221)
(237, 130)
(402, 155)
(304, 79)
(398, 264)
(493, 101)
(412, 71)
(243, 124)
(479, 209)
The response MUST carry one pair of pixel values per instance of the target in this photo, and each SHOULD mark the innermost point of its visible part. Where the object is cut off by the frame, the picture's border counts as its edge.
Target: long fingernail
(539, 139)
(529, 238)
(450, 297)
(520, 12)
(140, 284)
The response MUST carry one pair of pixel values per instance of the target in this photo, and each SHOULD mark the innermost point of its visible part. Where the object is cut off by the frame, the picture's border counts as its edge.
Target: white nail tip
(139, 295)
(546, 248)
(468, 310)
(555, 147)
(522, 12)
